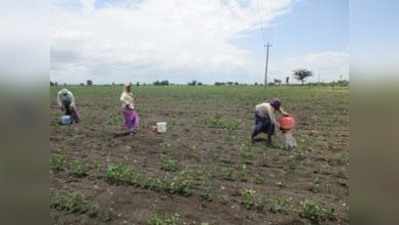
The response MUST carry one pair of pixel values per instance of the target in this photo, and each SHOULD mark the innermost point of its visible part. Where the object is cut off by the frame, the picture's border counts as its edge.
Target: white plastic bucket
(161, 127)
(66, 120)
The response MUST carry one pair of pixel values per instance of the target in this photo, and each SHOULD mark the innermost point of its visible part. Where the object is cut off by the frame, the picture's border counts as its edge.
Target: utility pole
(318, 74)
(267, 61)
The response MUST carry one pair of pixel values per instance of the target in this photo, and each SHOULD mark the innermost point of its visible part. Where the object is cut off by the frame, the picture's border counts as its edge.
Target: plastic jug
(286, 122)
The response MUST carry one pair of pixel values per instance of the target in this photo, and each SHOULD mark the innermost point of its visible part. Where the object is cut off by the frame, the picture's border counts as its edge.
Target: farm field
(204, 170)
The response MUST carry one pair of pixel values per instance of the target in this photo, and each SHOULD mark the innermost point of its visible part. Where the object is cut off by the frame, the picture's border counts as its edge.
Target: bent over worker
(265, 118)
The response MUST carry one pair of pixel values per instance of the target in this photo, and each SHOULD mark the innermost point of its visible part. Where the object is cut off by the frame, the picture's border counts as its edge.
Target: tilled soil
(222, 161)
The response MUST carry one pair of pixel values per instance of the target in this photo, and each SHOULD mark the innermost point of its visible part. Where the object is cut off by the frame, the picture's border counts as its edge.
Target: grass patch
(220, 123)
(248, 198)
(157, 219)
(316, 213)
(280, 205)
(57, 162)
(78, 168)
(73, 202)
(169, 165)
(120, 174)
(181, 183)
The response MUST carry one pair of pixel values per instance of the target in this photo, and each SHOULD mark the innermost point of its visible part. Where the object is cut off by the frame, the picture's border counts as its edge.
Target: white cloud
(178, 40)
(155, 39)
(24, 42)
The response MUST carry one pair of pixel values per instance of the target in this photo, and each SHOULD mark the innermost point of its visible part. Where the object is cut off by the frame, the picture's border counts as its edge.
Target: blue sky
(146, 40)
(374, 37)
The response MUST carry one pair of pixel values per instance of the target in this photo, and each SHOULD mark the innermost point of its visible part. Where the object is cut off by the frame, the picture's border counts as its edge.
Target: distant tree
(82, 84)
(236, 83)
(51, 83)
(219, 83)
(302, 74)
(199, 84)
(89, 82)
(138, 84)
(161, 83)
(277, 81)
(256, 84)
(287, 80)
(192, 83)
(230, 83)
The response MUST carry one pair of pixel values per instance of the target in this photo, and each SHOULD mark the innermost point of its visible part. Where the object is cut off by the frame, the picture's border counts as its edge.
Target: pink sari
(131, 117)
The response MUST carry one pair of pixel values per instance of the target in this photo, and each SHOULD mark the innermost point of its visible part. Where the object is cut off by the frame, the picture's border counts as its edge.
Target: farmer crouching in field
(265, 118)
(130, 115)
(66, 101)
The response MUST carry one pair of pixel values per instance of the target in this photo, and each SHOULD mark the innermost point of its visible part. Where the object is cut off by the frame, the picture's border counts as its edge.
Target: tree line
(300, 74)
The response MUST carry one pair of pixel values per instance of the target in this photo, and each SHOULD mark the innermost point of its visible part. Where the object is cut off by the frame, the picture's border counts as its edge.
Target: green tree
(302, 74)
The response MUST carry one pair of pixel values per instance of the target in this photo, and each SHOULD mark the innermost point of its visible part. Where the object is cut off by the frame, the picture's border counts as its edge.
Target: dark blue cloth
(263, 125)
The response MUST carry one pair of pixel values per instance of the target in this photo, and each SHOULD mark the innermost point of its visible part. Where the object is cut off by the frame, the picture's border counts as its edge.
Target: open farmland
(204, 170)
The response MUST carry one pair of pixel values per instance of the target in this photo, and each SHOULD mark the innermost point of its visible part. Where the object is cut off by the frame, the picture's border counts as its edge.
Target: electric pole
(267, 61)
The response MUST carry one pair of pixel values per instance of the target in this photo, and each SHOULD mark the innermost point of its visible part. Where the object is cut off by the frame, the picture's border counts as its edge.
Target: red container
(286, 122)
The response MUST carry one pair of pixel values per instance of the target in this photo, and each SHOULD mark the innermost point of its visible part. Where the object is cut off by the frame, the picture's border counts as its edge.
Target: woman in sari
(66, 102)
(131, 117)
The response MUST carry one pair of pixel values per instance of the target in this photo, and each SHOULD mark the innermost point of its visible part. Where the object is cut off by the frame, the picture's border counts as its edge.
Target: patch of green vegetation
(316, 213)
(181, 183)
(248, 198)
(218, 122)
(259, 179)
(57, 162)
(228, 174)
(73, 202)
(157, 219)
(243, 173)
(168, 164)
(120, 174)
(78, 168)
(316, 185)
(280, 205)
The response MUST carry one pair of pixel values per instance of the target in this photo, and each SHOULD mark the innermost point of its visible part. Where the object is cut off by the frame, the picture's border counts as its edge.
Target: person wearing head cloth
(66, 101)
(131, 117)
(265, 118)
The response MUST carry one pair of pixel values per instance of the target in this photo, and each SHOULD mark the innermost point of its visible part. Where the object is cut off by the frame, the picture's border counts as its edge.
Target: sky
(374, 39)
(204, 40)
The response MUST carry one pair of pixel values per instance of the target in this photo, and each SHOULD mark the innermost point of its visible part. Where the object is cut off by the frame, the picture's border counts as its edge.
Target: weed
(259, 179)
(218, 122)
(72, 203)
(164, 220)
(248, 198)
(316, 185)
(280, 205)
(243, 173)
(315, 213)
(180, 184)
(119, 174)
(168, 164)
(78, 168)
(57, 162)
(122, 174)
(97, 167)
(228, 174)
